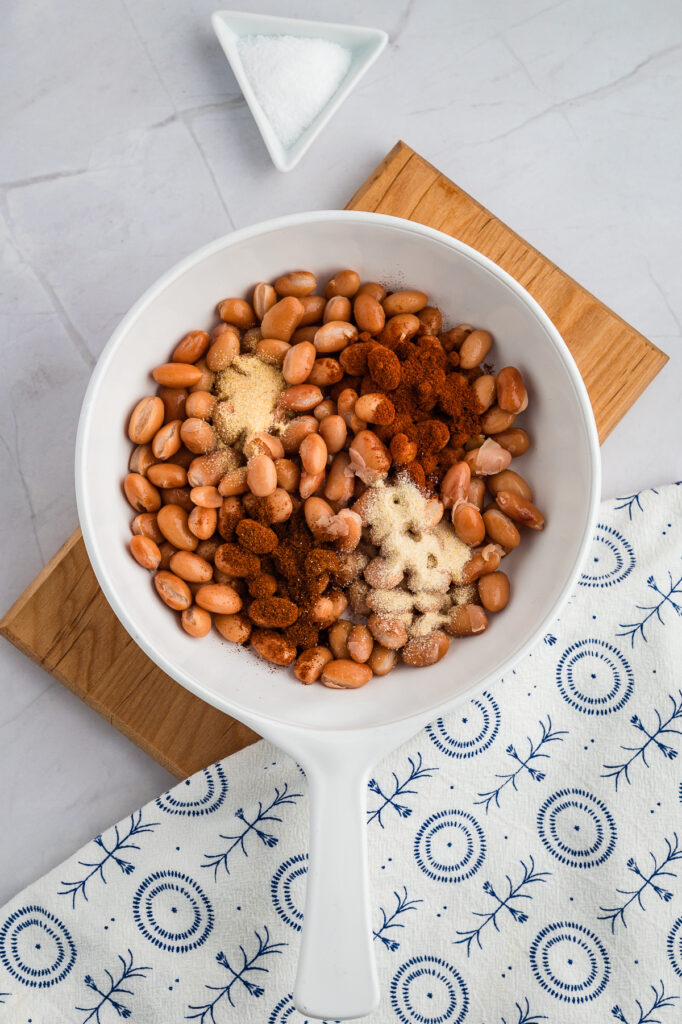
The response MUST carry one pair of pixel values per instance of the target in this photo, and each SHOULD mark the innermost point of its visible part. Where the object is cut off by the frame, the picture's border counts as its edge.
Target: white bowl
(364, 45)
(337, 735)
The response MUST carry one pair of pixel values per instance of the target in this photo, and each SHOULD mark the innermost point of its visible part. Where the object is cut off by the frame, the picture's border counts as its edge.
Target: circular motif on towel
(204, 793)
(173, 911)
(594, 677)
(450, 846)
(286, 1013)
(287, 889)
(36, 948)
(674, 947)
(570, 962)
(611, 559)
(428, 990)
(577, 828)
(468, 731)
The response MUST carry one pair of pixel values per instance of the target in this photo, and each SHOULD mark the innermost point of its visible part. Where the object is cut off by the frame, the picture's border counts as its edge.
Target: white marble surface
(126, 144)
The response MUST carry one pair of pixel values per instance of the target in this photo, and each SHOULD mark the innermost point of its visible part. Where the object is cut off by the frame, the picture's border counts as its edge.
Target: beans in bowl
(326, 477)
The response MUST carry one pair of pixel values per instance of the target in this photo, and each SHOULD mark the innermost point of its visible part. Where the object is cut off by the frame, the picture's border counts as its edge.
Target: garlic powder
(247, 393)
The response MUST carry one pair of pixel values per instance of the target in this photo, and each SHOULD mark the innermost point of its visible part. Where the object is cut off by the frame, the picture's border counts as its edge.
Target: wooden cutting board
(62, 620)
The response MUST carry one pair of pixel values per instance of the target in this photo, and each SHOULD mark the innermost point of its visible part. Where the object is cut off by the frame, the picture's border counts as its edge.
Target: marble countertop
(127, 144)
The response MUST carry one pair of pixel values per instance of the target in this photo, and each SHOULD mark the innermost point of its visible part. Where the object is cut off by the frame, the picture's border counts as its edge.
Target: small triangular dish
(363, 44)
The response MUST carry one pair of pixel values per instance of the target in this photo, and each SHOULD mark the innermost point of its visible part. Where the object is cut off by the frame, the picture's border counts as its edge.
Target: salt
(293, 78)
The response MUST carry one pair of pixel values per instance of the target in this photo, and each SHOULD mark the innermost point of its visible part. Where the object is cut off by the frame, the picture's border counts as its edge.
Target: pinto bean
(295, 431)
(466, 620)
(382, 660)
(520, 510)
(325, 372)
(167, 440)
(191, 567)
(495, 420)
(300, 397)
(337, 308)
(273, 646)
(235, 627)
(298, 362)
(177, 375)
(174, 400)
(172, 521)
(223, 351)
(344, 674)
(493, 590)
(334, 336)
(313, 311)
(313, 453)
(270, 350)
(196, 621)
(218, 597)
(145, 551)
(202, 522)
(141, 494)
(508, 480)
(198, 435)
(369, 313)
(411, 301)
(455, 484)
(297, 283)
(468, 523)
(238, 312)
(360, 643)
(145, 419)
(200, 404)
(511, 390)
(339, 485)
(377, 291)
(264, 298)
(192, 347)
(172, 590)
(310, 663)
(167, 474)
(500, 528)
(145, 525)
(425, 650)
(344, 282)
(282, 319)
(142, 458)
(261, 476)
(515, 441)
(288, 475)
(474, 349)
(388, 631)
(369, 457)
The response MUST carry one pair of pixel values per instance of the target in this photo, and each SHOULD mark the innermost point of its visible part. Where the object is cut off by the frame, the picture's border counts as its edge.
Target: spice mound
(247, 393)
(419, 557)
(326, 477)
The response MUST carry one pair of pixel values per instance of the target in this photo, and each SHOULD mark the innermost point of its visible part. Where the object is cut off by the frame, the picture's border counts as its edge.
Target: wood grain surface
(62, 620)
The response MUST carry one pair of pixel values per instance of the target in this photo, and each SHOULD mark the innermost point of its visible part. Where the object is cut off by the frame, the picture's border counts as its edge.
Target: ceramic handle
(337, 976)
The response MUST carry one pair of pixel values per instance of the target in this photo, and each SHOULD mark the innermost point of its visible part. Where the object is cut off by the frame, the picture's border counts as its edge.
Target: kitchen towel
(525, 851)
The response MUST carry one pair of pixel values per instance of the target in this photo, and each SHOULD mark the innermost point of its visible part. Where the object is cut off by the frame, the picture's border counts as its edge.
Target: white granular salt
(293, 78)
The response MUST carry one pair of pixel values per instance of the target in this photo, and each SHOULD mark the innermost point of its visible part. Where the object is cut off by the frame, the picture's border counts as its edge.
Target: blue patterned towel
(525, 852)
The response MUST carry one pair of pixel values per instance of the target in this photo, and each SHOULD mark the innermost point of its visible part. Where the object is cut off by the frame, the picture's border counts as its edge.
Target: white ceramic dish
(338, 736)
(364, 44)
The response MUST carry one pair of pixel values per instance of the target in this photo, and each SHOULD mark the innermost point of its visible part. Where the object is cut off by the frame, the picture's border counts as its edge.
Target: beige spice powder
(247, 393)
(432, 559)
(398, 517)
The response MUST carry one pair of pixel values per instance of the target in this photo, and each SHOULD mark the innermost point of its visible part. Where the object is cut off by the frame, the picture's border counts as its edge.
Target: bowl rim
(249, 714)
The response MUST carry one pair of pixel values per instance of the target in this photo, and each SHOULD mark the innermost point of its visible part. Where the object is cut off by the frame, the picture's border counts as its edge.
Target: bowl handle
(337, 977)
